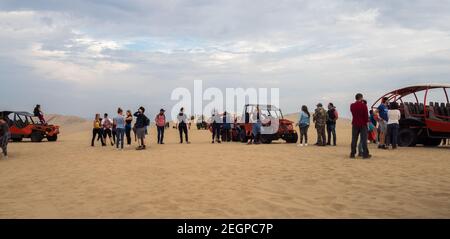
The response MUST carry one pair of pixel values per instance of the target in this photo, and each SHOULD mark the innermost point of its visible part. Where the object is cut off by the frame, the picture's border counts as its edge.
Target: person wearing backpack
(141, 124)
(160, 121)
(107, 125)
(332, 116)
(182, 122)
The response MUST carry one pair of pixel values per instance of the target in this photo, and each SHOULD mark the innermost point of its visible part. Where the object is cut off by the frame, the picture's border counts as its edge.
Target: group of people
(325, 123)
(120, 127)
(220, 127)
(379, 125)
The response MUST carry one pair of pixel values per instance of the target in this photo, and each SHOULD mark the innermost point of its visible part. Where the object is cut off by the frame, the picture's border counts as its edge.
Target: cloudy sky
(88, 56)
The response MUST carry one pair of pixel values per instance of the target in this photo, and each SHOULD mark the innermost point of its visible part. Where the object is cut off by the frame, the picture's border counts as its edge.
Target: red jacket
(360, 114)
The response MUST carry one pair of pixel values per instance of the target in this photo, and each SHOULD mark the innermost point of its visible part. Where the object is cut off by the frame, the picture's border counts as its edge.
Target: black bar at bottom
(227, 228)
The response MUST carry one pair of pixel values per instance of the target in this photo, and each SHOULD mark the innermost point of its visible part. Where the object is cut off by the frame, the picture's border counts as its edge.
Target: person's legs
(180, 130)
(360, 149)
(324, 137)
(213, 133)
(158, 135)
(94, 133)
(301, 134)
(186, 133)
(355, 135)
(394, 135)
(364, 135)
(321, 134)
(128, 134)
(117, 137)
(333, 132)
(389, 135)
(162, 135)
(319, 137)
(329, 134)
(122, 136)
(305, 130)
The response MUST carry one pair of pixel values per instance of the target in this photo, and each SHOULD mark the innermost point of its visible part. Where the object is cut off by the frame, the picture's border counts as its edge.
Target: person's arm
(136, 114)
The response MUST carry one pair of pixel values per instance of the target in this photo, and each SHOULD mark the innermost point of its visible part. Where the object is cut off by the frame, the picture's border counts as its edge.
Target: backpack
(147, 121)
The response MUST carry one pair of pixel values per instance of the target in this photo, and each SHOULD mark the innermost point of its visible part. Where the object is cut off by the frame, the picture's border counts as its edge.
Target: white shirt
(182, 118)
(394, 116)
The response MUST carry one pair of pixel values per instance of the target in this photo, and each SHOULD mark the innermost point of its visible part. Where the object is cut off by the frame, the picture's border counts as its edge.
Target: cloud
(139, 51)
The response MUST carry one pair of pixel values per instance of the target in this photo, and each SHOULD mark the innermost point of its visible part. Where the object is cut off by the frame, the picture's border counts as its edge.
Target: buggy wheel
(37, 136)
(407, 138)
(266, 139)
(52, 138)
(291, 138)
(17, 139)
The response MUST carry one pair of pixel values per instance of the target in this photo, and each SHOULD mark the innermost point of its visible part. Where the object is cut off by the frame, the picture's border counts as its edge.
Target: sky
(88, 56)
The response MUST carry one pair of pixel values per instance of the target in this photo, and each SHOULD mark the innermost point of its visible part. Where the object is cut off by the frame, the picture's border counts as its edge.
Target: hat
(319, 105)
(162, 110)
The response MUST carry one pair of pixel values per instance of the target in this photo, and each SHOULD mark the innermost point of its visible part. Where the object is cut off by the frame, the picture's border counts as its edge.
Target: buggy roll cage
(397, 95)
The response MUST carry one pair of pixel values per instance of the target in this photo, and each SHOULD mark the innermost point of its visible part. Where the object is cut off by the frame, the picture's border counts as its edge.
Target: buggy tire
(37, 137)
(266, 139)
(407, 137)
(52, 138)
(291, 138)
(17, 139)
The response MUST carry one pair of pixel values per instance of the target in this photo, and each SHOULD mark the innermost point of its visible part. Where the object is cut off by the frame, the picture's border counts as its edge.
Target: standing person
(140, 126)
(256, 127)
(114, 132)
(360, 147)
(382, 122)
(38, 113)
(332, 116)
(373, 117)
(4, 137)
(160, 121)
(303, 124)
(226, 127)
(107, 125)
(128, 121)
(182, 125)
(141, 123)
(360, 119)
(97, 130)
(393, 124)
(119, 122)
(320, 119)
(215, 126)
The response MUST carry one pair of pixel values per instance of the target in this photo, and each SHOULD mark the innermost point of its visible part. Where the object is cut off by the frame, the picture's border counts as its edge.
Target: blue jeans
(392, 135)
(119, 137)
(331, 130)
(160, 134)
(356, 133)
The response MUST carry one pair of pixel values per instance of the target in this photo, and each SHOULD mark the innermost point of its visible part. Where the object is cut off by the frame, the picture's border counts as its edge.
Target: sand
(71, 179)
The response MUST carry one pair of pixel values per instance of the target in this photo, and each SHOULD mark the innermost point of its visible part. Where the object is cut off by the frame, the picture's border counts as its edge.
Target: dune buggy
(422, 122)
(275, 126)
(26, 125)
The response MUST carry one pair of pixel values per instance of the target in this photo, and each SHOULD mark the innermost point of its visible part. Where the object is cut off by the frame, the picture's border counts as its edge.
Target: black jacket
(141, 120)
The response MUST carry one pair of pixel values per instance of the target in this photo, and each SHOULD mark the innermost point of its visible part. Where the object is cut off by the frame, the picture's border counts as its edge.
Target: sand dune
(71, 179)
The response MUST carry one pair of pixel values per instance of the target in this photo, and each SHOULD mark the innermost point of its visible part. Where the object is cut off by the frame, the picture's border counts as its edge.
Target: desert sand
(71, 179)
